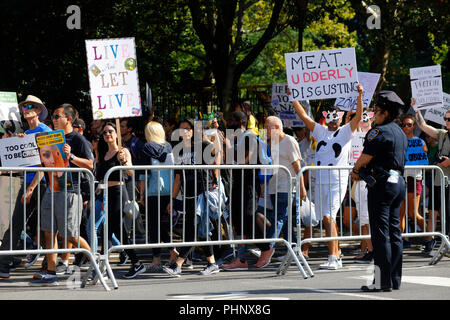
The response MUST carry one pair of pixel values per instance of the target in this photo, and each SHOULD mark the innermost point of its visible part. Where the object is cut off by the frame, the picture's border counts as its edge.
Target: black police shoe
(373, 288)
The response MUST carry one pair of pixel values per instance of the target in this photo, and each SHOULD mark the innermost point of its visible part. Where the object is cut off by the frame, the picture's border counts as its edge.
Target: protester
(246, 108)
(443, 161)
(332, 149)
(79, 126)
(79, 154)
(192, 183)
(383, 158)
(157, 152)
(34, 112)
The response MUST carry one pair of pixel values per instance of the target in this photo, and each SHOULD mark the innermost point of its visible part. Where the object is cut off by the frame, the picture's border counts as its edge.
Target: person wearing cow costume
(333, 146)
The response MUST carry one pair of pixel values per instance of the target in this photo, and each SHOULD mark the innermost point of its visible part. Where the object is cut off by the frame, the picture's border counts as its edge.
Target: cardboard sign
(357, 147)
(369, 82)
(437, 114)
(426, 87)
(7, 186)
(323, 74)
(51, 155)
(415, 156)
(10, 120)
(113, 78)
(19, 152)
(284, 108)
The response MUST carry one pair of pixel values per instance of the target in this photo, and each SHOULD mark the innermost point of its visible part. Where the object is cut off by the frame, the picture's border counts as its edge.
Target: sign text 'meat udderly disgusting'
(323, 74)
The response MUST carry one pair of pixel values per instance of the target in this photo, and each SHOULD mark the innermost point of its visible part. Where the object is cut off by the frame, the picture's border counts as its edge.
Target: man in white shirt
(284, 151)
(333, 146)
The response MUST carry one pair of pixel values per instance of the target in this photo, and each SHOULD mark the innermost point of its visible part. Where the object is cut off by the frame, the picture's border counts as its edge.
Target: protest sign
(19, 152)
(437, 114)
(113, 78)
(369, 82)
(9, 189)
(284, 108)
(357, 147)
(10, 120)
(426, 87)
(50, 150)
(415, 156)
(323, 74)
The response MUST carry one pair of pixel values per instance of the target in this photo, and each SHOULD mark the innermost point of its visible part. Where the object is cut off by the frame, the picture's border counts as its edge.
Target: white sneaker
(256, 252)
(333, 263)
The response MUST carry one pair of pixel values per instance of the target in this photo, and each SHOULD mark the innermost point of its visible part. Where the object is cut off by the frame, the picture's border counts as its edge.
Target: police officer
(383, 159)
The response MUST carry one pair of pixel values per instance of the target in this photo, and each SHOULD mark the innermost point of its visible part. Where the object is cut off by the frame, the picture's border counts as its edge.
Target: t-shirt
(80, 148)
(333, 149)
(284, 154)
(40, 128)
(194, 156)
(443, 150)
(415, 156)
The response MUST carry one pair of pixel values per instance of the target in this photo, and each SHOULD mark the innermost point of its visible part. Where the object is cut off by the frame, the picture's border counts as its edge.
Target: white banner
(437, 114)
(113, 78)
(10, 119)
(426, 87)
(369, 82)
(19, 152)
(284, 108)
(323, 74)
(357, 147)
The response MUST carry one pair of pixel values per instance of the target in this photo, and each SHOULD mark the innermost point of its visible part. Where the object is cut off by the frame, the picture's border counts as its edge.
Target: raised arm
(301, 111)
(429, 130)
(354, 123)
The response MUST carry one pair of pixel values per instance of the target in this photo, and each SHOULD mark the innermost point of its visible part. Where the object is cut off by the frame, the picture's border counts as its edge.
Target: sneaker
(429, 246)
(366, 259)
(31, 259)
(265, 258)
(62, 268)
(210, 269)
(4, 273)
(45, 281)
(173, 270)
(333, 263)
(188, 264)
(123, 258)
(14, 263)
(256, 252)
(157, 268)
(134, 270)
(237, 264)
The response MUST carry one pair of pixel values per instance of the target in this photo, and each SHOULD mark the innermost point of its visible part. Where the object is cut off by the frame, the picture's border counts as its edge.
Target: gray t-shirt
(444, 150)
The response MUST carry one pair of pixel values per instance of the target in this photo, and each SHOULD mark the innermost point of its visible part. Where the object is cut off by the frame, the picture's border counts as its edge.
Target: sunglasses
(29, 107)
(406, 125)
(446, 119)
(57, 116)
(110, 131)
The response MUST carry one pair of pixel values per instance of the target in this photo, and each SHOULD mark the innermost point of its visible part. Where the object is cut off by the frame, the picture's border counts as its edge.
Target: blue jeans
(98, 225)
(282, 215)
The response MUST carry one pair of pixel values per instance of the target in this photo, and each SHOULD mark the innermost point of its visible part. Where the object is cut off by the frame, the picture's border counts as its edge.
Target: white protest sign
(369, 82)
(323, 74)
(7, 185)
(357, 147)
(284, 108)
(10, 120)
(113, 78)
(426, 87)
(19, 152)
(437, 114)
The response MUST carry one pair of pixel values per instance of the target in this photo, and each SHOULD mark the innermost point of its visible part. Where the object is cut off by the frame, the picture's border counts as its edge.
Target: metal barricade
(355, 232)
(221, 214)
(8, 247)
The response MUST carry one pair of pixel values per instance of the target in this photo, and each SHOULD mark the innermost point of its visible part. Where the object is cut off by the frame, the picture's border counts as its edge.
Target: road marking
(231, 296)
(364, 296)
(424, 280)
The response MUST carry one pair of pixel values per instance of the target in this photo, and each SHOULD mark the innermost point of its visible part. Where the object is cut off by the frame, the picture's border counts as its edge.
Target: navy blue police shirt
(387, 144)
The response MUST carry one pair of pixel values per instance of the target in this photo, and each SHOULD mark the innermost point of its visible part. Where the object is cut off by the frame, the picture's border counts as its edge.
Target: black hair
(69, 111)
(240, 116)
(187, 120)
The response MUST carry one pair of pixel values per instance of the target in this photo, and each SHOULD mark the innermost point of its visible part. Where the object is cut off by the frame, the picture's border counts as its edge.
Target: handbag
(308, 213)
(131, 209)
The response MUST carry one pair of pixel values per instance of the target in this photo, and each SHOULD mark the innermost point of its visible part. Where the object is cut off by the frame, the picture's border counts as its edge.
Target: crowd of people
(249, 196)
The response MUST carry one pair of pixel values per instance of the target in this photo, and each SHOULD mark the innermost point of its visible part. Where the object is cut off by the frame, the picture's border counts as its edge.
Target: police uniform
(387, 144)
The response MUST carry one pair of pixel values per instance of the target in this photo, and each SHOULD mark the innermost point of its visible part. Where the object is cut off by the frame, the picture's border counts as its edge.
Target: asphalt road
(420, 282)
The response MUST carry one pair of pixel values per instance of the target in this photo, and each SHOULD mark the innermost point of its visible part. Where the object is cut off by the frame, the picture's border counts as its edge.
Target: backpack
(264, 158)
(166, 178)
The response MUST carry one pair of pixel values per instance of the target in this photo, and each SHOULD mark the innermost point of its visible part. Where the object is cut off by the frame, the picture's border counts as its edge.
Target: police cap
(389, 101)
